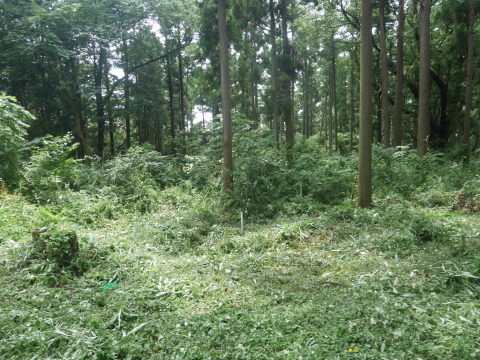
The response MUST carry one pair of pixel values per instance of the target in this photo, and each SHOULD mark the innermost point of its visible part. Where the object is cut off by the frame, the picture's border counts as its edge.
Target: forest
(239, 179)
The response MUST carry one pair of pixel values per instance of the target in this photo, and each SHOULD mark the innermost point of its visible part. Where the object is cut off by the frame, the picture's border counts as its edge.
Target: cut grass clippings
(348, 284)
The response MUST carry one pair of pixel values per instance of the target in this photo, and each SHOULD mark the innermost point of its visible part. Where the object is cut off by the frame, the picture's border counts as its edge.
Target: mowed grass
(346, 284)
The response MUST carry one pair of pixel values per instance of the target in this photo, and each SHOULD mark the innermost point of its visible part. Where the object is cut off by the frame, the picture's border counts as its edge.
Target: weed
(162, 271)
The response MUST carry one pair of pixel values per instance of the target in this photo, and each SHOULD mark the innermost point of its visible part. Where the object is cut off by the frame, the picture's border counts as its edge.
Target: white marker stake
(241, 221)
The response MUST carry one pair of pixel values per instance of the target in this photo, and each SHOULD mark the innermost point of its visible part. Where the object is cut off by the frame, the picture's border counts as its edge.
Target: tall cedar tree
(365, 150)
(226, 100)
(397, 108)
(384, 76)
(470, 72)
(274, 75)
(424, 80)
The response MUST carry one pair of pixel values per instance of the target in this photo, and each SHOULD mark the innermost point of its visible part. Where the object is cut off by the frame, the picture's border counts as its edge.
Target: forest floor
(397, 281)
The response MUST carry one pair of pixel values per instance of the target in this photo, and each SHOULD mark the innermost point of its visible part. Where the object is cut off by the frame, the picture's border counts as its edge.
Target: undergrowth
(163, 269)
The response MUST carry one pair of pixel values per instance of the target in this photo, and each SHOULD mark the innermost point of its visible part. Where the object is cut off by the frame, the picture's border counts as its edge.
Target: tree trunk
(187, 100)
(352, 106)
(109, 112)
(304, 96)
(334, 91)
(159, 125)
(287, 83)
(75, 102)
(470, 73)
(365, 152)
(226, 100)
(330, 115)
(384, 76)
(170, 107)
(128, 131)
(440, 132)
(324, 118)
(146, 125)
(424, 80)
(378, 99)
(254, 80)
(138, 115)
(397, 107)
(204, 135)
(183, 130)
(311, 99)
(78, 116)
(100, 111)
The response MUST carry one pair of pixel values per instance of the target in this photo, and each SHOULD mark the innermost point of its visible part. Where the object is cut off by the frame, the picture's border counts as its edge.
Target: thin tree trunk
(470, 73)
(304, 96)
(78, 116)
(204, 135)
(352, 106)
(127, 96)
(187, 99)
(76, 105)
(287, 84)
(274, 75)
(292, 101)
(308, 110)
(378, 99)
(334, 91)
(384, 76)
(100, 110)
(146, 126)
(183, 130)
(365, 152)
(254, 80)
(138, 115)
(397, 107)
(109, 113)
(424, 80)
(308, 107)
(330, 115)
(324, 118)
(226, 100)
(170, 107)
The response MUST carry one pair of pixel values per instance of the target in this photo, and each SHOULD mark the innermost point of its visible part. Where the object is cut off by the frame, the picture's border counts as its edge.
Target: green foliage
(469, 196)
(431, 179)
(161, 266)
(138, 164)
(162, 269)
(423, 226)
(260, 183)
(183, 220)
(348, 283)
(13, 129)
(299, 180)
(56, 245)
(50, 169)
(52, 262)
(471, 189)
(327, 179)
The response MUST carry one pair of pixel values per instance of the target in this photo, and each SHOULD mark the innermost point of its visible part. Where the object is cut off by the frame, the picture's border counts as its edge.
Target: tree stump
(58, 245)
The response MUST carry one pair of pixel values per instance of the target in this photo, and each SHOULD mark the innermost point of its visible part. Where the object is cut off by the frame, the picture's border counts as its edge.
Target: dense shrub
(55, 254)
(141, 164)
(400, 171)
(50, 169)
(13, 125)
(57, 245)
(268, 181)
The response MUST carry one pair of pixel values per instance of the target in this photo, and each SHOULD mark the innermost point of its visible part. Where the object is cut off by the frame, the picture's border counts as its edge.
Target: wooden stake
(241, 221)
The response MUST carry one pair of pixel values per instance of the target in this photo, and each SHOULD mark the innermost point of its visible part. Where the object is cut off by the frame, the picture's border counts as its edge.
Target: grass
(181, 283)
